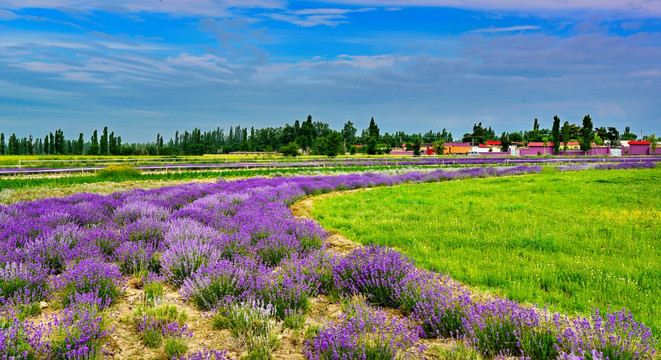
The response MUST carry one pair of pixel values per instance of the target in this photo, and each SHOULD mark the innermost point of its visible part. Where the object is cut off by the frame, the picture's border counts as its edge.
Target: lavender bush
(365, 333)
(379, 273)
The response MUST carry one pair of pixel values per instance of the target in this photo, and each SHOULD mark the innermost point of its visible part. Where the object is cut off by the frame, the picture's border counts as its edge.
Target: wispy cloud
(6, 15)
(315, 17)
(506, 29)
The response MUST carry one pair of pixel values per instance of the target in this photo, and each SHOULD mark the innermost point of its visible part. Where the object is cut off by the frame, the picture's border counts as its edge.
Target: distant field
(574, 240)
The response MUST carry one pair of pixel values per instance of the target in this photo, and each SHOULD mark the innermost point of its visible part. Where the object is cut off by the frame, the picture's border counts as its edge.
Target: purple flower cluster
(365, 333)
(615, 335)
(78, 334)
(90, 280)
(20, 338)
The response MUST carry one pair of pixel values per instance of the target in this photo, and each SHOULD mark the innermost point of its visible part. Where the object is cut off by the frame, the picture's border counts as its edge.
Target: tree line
(310, 137)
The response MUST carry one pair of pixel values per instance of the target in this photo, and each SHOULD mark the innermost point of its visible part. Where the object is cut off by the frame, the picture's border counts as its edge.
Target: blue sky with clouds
(149, 66)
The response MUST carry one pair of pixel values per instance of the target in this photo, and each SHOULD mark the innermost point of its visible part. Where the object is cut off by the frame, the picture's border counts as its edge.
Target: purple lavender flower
(365, 333)
(615, 335)
(221, 282)
(20, 338)
(90, 276)
(377, 272)
(78, 334)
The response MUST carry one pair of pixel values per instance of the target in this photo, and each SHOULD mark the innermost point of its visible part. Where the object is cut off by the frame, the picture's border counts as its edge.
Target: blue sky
(153, 66)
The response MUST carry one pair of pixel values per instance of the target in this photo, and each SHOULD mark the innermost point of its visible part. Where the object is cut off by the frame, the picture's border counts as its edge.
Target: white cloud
(215, 8)
(506, 29)
(643, 8)
(310, 20)
(6, 15)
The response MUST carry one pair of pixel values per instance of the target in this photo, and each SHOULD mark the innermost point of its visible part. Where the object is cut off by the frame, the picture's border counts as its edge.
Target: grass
(573, 240)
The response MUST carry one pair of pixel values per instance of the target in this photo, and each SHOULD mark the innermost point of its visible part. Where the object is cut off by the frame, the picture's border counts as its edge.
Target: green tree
(53, 145)
(60, 142)
(80, 144)
(565, 132)
(586, 133)
(371, 145)
(94, 144)
(2, 143)
(290, 149)
(505, 142)
(415, 146)
(46, 145)
(330, 145)
(439, 146)
(103, 145)
(349, 133)
(13, 146)
(30, 146)
(653, 143)
(555, 133)
(373, 130)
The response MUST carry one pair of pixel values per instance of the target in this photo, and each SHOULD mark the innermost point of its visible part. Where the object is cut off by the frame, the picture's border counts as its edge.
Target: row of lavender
(427, 161)
(222, 243)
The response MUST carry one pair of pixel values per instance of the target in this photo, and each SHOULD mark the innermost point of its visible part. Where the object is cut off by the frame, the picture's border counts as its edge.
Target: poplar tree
(94, 146)
(103, 146)
(2, 143)
(555, 133)
(586, 133)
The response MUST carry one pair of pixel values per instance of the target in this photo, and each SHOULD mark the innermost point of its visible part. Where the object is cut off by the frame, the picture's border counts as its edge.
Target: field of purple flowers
(234, 254)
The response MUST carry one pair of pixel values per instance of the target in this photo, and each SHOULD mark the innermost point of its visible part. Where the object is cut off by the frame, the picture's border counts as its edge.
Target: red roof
(484, 146)
(539, 144)
(572, 143)
(639, 142)
(493, 142)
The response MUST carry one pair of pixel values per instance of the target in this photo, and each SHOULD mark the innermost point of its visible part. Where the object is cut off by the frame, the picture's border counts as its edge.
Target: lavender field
(225, 271)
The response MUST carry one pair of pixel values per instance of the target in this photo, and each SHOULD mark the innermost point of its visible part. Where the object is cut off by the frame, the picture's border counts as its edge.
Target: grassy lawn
(573, 240)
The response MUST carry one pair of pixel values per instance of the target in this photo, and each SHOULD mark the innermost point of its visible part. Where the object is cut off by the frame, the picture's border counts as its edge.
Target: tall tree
(415, 145)
(13, 146)
(2, 143)
(586, 133)
(80, 144)
(565, 133)
(373, 129)
(439, 146)
(653, 143)
(53, 145)
(371, 145)
(94, 144)
(555, 133)
(349, 133)
(60, 142)
(103, 145)
(505, 142)
(46, 145)
(30, 149)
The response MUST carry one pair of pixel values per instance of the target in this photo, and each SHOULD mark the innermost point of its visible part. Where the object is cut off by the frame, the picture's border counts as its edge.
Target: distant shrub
(118, 173)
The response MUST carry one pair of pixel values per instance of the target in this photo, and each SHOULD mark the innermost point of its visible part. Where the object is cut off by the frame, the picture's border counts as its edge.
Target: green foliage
(250, 323)
(175, 347)
(439, 147)
(590, 248)
(153, 292)
(371, 146)
(415, 146)
(555, 134)
(294, 321)
(458, 352)
(119, 173)
(587, 135)
(290, 149)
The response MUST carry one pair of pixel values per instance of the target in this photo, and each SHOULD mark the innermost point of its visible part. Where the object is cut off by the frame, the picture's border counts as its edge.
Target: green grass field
(574, 240)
